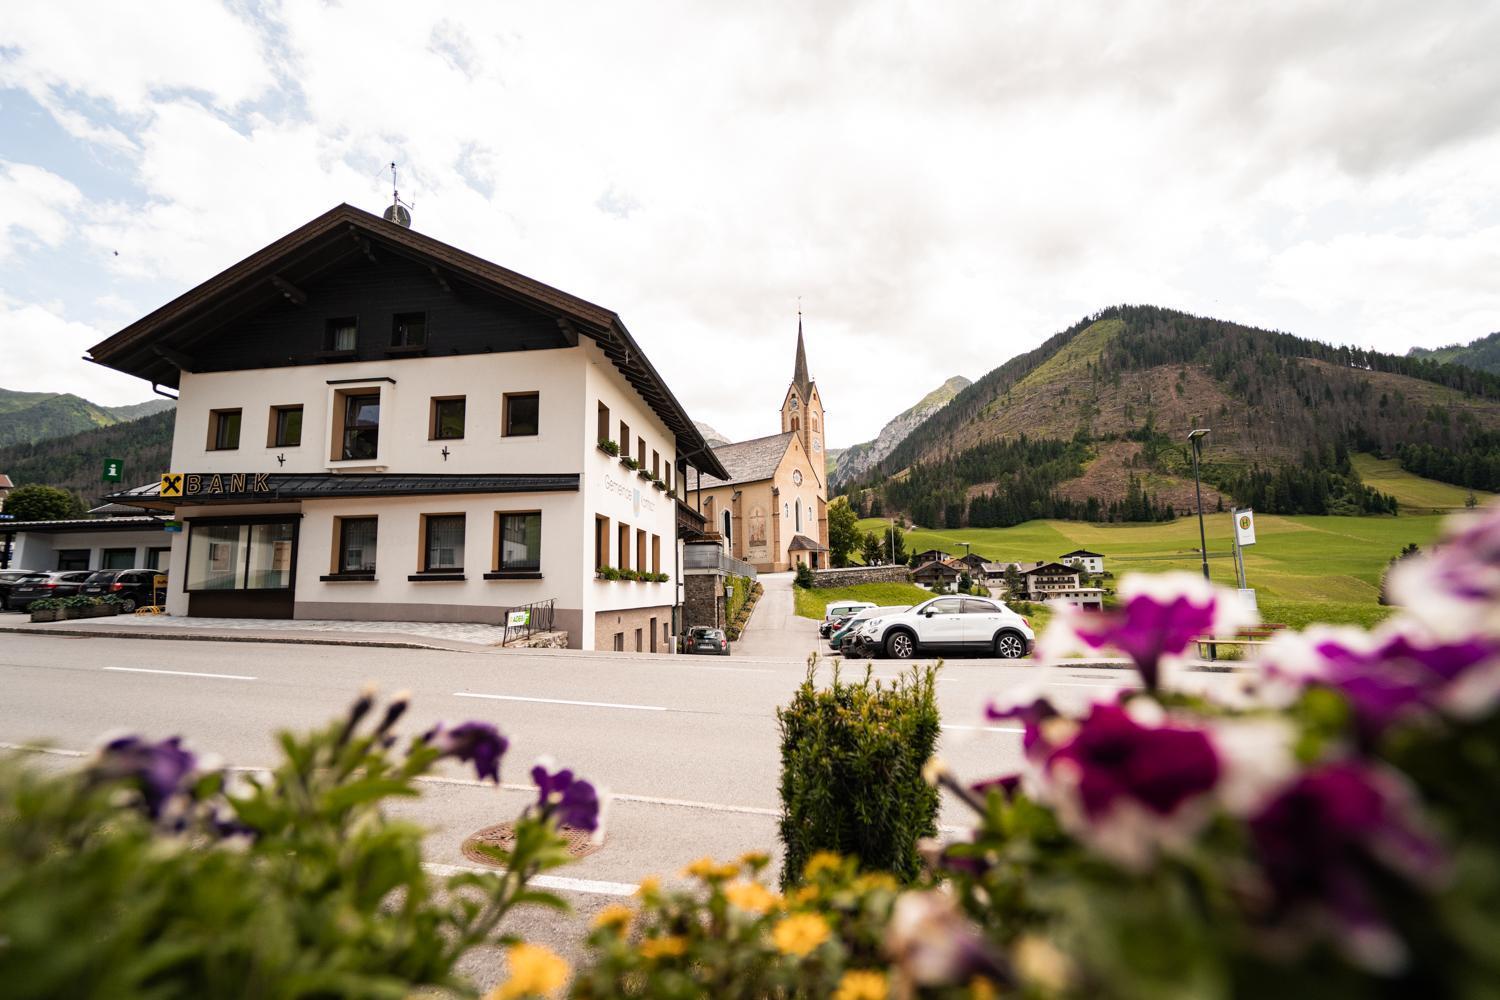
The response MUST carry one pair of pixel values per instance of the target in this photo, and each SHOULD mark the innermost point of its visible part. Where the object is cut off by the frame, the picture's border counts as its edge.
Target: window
(356, 552)
(117, 559)
(72, 559)
(797, 510)
(640, 457)
(268, 563)
(409, 330)
(640, 549)
(622, 547)
(946, 606)
(361, 426)
(286, 426)
(655, 464)
(442, 543)
(446, 422)
(521, 415)
(240, 555)
(656, 553)
(223, 430)
(624, 439)
(603, 422)
(342, 335)
(728, 527)
(653, 635)
(519, 538)
(601, 542)
(619, 642)
(159, 559)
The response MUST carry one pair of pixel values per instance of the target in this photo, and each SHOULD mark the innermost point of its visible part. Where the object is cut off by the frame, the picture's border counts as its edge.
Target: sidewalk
(774, 630)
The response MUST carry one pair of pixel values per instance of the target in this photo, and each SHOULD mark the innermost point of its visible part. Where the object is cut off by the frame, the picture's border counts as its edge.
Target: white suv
(950, 624)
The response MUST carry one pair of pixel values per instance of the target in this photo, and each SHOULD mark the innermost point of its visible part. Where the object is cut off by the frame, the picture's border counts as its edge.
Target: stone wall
(702, 600)
(634, 625)
(860, 574)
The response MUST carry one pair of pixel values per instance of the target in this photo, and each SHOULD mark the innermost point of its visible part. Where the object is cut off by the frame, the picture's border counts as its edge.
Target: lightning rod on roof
(399, 211)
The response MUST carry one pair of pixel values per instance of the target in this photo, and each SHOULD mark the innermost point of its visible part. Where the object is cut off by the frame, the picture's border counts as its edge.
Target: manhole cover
(503, 836)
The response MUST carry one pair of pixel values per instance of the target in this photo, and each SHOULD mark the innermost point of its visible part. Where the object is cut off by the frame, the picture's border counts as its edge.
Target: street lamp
(1195, 438)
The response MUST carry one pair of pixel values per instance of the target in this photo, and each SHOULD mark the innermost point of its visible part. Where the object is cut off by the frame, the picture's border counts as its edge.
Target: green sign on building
(113, 468)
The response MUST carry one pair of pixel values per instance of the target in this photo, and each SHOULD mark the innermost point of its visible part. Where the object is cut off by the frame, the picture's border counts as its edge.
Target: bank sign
(194, 484)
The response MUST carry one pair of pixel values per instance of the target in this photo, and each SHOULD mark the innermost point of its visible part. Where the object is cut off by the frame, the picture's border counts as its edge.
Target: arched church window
(814, 418)
(795, 424)
(786, 511)
(798, 509)
(727, 525)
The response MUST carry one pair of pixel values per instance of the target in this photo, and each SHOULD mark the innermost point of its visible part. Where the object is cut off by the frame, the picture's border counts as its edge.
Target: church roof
(750, 461)
(804, 543)
(799, 371)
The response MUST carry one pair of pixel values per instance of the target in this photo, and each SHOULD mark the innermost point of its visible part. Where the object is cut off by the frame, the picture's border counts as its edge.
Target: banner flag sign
(1244, 527)
(518, 619)
(113, 468)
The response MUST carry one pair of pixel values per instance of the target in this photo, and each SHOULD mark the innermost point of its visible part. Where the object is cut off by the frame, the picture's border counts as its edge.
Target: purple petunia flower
(1455, 586)
(1159, 618)
(1322, 844)
(572, 800)
(476, 742)
(159, 771)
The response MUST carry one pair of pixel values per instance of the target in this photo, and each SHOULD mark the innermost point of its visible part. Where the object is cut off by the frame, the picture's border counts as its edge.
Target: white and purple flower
(1455, 586)
(158, 771)
(573, 801)
(1159, 618)
(478, 743)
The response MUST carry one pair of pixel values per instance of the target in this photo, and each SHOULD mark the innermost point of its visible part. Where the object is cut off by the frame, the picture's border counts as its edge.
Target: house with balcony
(374, 425)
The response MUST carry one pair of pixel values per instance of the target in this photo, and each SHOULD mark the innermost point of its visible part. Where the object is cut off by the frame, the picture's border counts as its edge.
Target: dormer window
(343, 335)
(409, 330)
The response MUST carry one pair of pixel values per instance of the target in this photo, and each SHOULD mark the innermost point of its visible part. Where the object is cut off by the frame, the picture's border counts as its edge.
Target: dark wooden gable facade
(459, 318)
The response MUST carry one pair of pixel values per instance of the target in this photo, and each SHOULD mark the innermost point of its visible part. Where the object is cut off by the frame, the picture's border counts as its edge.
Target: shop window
(356, 547)
(286, 427)
(601, 541)
(603, 431)
(409, 330)
(442, 543)
(72, 559)
(342, 335)
(518, 539)
(117, 559)
(240, 556)
(223, 430)
(521, 414)
(446, 421)
(361, 438)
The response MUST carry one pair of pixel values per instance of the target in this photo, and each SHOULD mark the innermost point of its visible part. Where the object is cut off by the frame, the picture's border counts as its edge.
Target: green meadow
(1303, 569)
(1414, 493)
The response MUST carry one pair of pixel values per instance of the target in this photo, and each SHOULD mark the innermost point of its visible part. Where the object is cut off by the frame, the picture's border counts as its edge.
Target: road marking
(559, 701)
(650, 800)
(179, 673)
(988, 729)
(1081, 684)
(30, 748)
(584, 885)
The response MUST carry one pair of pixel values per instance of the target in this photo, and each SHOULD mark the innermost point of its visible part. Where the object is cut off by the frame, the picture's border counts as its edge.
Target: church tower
(802, 409)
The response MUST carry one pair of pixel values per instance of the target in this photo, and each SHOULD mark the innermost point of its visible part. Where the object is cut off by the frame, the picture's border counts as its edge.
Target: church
(772, 509)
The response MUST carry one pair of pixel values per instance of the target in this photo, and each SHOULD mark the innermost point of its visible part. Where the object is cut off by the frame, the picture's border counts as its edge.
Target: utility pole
(1195, 438)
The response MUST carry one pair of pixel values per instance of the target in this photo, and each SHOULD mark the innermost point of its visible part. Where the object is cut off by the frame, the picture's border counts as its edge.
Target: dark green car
(836, 640)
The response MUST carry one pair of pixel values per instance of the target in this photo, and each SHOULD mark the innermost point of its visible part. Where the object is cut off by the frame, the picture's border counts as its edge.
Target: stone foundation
(703, 600)
(860, 574)
(633, 628)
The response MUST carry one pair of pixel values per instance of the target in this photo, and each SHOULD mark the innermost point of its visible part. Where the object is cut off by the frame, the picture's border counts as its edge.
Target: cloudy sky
(943, 184)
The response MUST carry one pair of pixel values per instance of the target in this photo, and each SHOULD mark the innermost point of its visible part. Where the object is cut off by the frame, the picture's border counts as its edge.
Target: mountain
(38, 416)
(850, 463)
(1093, 423)
(713, 437)
(1482, 354)
(75, 461)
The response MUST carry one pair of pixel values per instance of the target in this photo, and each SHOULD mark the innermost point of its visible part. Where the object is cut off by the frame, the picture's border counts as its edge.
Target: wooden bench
(1258, 635)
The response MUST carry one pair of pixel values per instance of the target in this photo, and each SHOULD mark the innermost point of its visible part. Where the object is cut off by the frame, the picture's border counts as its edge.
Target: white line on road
(560, 701)
(650, 800)
(31, 748)
(179, 673)
(584, 885)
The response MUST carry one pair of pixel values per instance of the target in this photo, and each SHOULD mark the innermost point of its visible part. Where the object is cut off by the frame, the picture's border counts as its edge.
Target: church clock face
(794, 402)
(817, 445)
(797, 476)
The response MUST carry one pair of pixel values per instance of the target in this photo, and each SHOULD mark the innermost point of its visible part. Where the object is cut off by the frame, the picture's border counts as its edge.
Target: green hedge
(851, 771)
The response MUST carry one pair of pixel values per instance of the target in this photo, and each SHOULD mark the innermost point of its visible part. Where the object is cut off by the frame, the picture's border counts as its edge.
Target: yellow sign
(159, 582)
(171, 484)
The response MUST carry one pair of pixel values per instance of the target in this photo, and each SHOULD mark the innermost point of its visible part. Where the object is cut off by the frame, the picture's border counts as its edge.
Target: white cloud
(43, 352)
(36, 207)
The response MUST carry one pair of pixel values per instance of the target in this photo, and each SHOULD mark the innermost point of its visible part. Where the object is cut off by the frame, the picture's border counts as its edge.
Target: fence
(527, 620)
(712, 557)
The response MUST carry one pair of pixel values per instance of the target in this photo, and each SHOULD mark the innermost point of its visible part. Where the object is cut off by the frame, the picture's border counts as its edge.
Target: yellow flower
(862, 984)
(650, 886)
(1040, 962)
(663, 947)
(821, 862)
(806, 894)
(615, 915)
(752, 897)
(799, 934)
(755, 860)
(710, 870)
(535, 970)
(981, 988)
(871, 881)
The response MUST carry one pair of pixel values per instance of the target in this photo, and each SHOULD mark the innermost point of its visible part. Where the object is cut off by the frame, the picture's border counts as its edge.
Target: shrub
(629, 462)
(804, 576)
(609, 573)
(608, 447)
(851, 771)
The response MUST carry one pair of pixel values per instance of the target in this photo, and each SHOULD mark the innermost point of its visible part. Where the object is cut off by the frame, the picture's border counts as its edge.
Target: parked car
(708, 641)
(840, 609)
(10, 578)
(132, 588)
(950, 624)
(66, 583)
(836, 640)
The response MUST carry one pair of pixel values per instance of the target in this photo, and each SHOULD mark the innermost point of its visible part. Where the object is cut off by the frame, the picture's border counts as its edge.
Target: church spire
(799, 372)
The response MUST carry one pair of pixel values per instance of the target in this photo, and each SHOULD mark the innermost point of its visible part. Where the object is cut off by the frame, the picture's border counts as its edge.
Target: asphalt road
(688, 745)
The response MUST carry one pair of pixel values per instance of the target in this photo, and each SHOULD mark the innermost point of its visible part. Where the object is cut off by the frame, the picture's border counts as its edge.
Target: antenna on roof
(400, 211)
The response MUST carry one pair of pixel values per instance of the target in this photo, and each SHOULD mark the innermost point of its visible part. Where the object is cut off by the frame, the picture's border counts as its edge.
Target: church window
(794, 424)
(798, 509)
(727, 525)
(814, 418)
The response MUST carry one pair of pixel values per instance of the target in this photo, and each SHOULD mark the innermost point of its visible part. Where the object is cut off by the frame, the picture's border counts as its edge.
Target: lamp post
(1195, 438)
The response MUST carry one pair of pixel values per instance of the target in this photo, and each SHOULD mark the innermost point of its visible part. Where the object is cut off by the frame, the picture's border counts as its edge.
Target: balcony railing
(712, 558)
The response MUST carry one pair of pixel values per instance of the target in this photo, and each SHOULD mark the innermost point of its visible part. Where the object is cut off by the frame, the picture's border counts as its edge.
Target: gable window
(356, 553)
(342, 335)
(409, 330)
(361, 426)
(286, 426)
(442, 543)
(447, 419)
(521, 414)
(223, 430)
(519, 540)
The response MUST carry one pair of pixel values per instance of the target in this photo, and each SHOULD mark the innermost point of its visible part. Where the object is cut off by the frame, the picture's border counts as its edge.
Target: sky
(941, 186)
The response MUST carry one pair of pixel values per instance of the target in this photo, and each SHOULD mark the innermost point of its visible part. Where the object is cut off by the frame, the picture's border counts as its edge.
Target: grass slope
(810, 603)
(1303, 569)
(1413, 492)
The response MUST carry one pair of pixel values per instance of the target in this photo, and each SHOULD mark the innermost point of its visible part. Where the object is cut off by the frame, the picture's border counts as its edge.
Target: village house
(1089, 562)
(375, 425)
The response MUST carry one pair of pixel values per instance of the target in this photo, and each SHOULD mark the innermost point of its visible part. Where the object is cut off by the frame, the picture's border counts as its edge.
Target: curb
(278, 640)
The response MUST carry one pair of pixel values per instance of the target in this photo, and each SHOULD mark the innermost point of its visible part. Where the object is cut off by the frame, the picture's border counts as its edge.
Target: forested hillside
(37, 416)
(1482, 354)
(1123, 387)
(74, 462)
